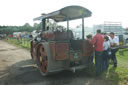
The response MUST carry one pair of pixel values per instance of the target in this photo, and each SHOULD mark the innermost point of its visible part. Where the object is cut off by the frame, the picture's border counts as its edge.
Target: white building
(115, 27)
(108, 27)
(78, 31)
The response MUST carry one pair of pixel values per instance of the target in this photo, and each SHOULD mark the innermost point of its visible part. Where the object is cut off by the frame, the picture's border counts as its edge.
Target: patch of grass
(120, 73)
(25, 43)
(122, 57)
(116, 74)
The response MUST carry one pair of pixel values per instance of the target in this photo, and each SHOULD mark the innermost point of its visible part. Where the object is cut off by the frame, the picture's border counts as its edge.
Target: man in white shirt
(114, 42)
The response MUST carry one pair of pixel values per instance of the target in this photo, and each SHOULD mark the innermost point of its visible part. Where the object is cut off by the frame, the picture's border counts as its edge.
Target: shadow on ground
(26, 73)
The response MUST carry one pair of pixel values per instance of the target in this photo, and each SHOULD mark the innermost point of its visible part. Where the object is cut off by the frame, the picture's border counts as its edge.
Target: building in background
(115, 27)
(78, 31)
(108, 27)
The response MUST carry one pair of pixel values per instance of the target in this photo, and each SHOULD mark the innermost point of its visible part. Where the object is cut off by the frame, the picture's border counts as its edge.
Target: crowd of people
(104, 47)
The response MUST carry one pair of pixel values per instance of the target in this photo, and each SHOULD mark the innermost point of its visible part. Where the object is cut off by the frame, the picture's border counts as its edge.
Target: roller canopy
(67, 13)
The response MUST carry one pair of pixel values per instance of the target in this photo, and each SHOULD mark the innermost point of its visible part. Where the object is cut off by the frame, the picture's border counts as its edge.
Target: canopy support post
(83, 28)
(43, 24)
(67, 23)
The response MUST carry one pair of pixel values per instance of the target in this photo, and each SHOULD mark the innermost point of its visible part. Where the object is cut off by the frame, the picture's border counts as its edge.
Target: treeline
(26, 27)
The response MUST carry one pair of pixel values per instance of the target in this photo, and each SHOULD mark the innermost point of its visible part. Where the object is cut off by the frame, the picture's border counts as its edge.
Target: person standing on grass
(97, 42)
(17, 37)
(106, 46)
(114, 42)
(89, 50)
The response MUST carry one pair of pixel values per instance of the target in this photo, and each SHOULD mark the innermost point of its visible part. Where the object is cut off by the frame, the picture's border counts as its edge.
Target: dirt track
(17, 68)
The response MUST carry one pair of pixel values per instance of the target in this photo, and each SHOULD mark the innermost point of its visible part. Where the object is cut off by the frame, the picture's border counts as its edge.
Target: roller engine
(57, 50)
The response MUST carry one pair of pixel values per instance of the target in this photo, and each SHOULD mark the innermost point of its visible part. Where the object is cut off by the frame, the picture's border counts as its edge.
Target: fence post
(27, 43)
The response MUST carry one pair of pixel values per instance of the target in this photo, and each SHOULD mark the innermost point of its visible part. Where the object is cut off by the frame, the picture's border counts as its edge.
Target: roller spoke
(43, 59)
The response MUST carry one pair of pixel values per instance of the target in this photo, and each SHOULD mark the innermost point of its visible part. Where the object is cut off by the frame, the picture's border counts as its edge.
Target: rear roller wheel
(42, 60)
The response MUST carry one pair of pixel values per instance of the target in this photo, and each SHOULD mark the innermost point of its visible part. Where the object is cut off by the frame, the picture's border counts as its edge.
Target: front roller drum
(42, 60)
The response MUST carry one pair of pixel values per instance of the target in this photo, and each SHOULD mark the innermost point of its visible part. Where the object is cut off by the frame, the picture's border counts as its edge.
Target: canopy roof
(67, 13)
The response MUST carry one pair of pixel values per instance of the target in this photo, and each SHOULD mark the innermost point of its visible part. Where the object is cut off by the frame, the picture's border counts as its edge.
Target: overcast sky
(19, 12)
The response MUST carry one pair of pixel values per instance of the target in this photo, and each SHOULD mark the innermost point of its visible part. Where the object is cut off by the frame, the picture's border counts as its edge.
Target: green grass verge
(25, 43)
(120, 73)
